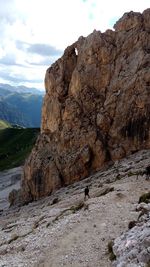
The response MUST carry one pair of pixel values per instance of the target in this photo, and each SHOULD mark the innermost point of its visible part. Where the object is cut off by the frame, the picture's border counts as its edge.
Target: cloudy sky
(34, 33)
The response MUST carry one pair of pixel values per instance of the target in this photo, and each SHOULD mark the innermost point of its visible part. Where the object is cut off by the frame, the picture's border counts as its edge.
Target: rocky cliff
(96, 108)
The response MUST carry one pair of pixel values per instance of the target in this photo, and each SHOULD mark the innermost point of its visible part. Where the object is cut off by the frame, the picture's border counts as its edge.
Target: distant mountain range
(21, 105)
(19, 89)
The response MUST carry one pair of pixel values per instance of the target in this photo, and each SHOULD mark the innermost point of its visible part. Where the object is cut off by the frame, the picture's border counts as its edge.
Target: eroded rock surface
(9, 182)
(132, 248)
(96, 108)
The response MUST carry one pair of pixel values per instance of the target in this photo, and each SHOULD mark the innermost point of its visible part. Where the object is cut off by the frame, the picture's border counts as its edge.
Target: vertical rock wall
(96, 107)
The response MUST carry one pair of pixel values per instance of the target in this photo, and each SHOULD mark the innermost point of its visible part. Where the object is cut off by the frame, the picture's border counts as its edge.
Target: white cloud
(53, 23)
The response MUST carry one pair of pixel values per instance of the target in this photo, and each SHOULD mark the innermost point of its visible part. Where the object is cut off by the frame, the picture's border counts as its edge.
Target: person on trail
(86, 192)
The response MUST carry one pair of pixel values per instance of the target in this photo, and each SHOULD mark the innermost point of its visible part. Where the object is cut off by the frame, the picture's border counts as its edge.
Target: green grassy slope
(15, 146)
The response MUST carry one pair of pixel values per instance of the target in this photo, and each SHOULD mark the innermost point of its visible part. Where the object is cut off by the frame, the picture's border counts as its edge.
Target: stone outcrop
(132, 248)
(96, 108)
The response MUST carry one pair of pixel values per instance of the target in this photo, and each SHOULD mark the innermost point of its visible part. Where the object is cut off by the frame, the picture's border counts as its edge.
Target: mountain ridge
(19, 89)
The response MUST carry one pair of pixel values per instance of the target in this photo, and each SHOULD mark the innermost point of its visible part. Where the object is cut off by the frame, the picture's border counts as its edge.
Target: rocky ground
(65, 230)
(9, 180)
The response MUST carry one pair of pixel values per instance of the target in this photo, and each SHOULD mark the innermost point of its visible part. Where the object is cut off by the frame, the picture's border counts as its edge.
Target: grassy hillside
(4, 124)
(16, 145)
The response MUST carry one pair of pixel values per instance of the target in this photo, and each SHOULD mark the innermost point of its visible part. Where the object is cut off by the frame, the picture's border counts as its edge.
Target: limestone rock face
(132, 248)
(96, 108)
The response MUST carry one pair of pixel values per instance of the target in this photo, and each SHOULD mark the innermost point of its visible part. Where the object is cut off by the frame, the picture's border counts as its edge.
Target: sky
(34, 33)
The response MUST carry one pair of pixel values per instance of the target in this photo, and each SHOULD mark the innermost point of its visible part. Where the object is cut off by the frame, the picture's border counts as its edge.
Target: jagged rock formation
(96, 108)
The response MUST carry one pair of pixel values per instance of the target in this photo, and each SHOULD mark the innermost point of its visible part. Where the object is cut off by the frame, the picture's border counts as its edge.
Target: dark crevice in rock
(137, 128)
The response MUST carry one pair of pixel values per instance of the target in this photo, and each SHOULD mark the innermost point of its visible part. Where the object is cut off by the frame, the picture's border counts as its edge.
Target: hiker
(86, 192)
